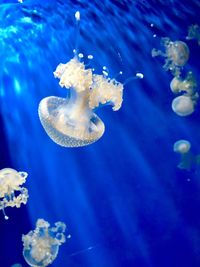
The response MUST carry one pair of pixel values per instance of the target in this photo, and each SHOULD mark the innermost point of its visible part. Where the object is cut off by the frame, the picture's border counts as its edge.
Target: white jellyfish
(71, 121)
(188, 159)
(183, 105)
(176, 55)
(41, 245)
(11, 192)
(182, 146)
(194, 33)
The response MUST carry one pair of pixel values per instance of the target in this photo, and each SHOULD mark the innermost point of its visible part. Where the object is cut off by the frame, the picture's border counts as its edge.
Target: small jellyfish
(176, 55)
(183, 105)
(41, 245)
(16, 265)
(11, 192)
(71, 121)
(183, 148)
(186, 86)
(188, 159)
(194, 33)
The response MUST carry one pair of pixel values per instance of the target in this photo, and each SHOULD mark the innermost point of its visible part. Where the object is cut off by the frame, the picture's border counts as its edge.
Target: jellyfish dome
(70, 121)
(183, 105)
(11, 192)
(42, 244)
(182, 146)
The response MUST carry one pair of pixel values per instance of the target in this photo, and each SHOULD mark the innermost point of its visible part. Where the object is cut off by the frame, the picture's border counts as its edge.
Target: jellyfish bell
(182, 146)
(178, 52)
(68, 128)
(183, 105)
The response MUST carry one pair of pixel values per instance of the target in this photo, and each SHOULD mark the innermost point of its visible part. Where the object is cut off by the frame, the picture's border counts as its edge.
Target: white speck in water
(77, 15)
(139, 75)
(80, 55)
(90, 56)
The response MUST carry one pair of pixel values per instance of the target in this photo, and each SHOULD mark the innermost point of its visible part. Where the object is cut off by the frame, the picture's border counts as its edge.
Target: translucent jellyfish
(194, 33)
(42, 244)
(186, 86)
(71, 121)
(176, 55)
(11, 192)
(183, 105)
(188, 159)
(16, 265)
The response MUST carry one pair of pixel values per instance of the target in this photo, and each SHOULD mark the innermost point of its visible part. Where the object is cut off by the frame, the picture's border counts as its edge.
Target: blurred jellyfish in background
(42, 244)
(16, 265)
(11, 192)
(188, 159)
(184, 105)
(194, 33)
(176, 55)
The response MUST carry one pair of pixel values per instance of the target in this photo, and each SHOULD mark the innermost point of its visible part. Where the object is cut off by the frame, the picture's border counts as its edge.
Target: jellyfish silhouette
(41, 245)
(11, 192)
(71, 121)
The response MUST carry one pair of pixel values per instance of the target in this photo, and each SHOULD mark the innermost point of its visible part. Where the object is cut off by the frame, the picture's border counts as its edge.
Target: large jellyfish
(188, 159)
(184, 105)
(176, 55)
(194, 33)
(42, 244)
(71, 121)
(11, 192)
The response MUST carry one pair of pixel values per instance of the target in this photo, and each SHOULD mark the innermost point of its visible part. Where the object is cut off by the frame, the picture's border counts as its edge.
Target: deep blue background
(123, 195)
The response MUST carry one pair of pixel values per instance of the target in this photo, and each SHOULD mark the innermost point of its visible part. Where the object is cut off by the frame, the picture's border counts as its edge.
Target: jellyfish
(186, 86)
(194, 33)
(16, 265)
(11, 192)
(71, 121)
(41, 246)
(176, 55)
(188, 159)
(183, 105)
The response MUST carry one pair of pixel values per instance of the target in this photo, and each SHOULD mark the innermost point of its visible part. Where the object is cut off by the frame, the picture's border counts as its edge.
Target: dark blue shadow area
(123, 198)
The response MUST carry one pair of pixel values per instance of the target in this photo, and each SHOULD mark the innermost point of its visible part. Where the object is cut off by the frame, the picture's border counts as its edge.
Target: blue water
(125, 202)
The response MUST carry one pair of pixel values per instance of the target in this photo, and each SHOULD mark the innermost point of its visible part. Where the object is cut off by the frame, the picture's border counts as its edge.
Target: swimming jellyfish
(184, 105)
(188, 159)
(71, 121)
(176, 55)
(42, 244)
(187, 85)
(11, 192)
(194, 33)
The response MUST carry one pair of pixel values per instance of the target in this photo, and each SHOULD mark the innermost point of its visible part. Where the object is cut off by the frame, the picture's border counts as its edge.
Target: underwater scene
(100, 133)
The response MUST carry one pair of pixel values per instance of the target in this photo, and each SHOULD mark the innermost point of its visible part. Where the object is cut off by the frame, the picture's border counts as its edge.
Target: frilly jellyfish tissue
(186, 86)
(41, 245)
(11, 192)
(71, 121)
(176, 55)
